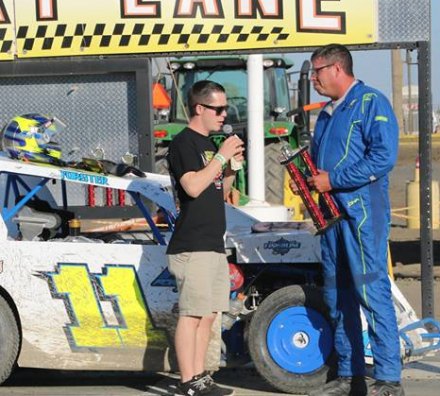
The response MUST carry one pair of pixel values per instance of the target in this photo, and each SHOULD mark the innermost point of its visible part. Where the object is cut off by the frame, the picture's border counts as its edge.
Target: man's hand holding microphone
(232, 149)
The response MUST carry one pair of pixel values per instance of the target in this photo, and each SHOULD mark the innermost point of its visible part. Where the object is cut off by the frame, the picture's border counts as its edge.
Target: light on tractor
(278, 110)
(174, 66)
(278, 131)
(160, 133)
(268, 62)
(189, 65)
(164, 113)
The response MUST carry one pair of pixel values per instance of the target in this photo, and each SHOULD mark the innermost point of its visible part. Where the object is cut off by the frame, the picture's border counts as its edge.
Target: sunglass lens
(219, 110)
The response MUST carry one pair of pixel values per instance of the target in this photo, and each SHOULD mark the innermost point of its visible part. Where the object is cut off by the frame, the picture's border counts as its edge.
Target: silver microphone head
(227, 129)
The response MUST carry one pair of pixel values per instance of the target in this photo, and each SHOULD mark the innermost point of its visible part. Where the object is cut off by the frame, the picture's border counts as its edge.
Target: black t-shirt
(201, 223)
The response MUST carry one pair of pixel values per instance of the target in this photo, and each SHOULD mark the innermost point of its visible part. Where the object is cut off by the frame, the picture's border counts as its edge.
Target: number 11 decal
(85, 293)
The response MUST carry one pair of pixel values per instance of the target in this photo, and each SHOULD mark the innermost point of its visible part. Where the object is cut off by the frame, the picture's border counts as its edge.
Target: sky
(379, 76)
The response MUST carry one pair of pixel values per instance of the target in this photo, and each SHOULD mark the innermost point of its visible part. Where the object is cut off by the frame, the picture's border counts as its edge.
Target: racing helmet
(30, 137)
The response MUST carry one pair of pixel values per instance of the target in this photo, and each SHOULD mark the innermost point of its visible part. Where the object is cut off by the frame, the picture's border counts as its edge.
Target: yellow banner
(47, 28)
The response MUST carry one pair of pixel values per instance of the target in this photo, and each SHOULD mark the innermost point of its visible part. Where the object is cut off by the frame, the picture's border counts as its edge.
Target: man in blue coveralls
(355, 146)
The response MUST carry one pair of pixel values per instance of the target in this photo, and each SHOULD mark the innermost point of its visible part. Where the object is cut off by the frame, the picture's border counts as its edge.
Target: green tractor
(231, 72)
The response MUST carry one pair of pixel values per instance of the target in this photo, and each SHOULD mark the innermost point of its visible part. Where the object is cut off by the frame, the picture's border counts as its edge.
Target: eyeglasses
(218, 109)
(314, 72)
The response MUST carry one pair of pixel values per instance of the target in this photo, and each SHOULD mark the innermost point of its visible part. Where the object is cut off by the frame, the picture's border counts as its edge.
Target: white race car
(104, 300)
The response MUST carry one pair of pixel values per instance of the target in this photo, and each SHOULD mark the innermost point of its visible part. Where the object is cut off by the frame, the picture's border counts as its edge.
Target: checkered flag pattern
(5, 41)
(106, 38)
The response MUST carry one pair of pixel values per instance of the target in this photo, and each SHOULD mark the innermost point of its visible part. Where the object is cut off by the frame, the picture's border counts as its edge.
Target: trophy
(319, 220)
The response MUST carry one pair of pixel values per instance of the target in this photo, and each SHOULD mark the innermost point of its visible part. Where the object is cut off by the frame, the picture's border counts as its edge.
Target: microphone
(228, 131)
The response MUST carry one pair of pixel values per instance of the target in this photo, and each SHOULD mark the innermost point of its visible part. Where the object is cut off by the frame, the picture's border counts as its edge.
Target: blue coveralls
(357, 144)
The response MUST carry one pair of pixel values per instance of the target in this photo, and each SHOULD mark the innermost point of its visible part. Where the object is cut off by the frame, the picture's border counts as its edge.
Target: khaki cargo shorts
(202, 280)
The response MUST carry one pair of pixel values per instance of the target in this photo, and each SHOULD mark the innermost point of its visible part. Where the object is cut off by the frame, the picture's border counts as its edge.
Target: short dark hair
(201, 92)
(336, 53)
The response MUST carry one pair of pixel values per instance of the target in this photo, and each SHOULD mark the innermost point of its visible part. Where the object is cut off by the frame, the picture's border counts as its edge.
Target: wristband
(221, 159)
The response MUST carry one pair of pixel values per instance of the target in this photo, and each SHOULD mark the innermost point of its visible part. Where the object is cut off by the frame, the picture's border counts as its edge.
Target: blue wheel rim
(299, 339)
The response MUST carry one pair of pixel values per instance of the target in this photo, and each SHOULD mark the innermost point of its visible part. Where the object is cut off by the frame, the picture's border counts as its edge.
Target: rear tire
(274, 173)
(161, 163)
(291, 340)
(9, 340)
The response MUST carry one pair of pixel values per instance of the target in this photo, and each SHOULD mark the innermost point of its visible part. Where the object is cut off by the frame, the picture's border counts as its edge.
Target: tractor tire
(161, 163)
(290, 340)
(9, 340)
(274, 173)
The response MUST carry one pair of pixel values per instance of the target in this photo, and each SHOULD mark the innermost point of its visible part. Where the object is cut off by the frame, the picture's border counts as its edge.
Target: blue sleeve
(380, 134)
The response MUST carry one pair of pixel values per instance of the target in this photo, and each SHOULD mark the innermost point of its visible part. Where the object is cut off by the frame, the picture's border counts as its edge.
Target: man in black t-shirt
(203, 176)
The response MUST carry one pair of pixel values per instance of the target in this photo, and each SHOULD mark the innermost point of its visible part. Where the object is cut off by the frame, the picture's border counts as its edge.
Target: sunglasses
(218, 109)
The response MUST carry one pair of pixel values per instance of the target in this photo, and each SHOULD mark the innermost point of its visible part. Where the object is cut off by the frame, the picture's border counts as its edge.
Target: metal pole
(255, 144)
(397, 79)
(410, 118)
(144, 117)
(425, 154)
(303, 99)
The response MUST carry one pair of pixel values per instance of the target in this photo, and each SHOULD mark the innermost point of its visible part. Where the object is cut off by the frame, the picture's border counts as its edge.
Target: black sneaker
(385, 388)
(343, 386)
(212, 388)
(193, 387)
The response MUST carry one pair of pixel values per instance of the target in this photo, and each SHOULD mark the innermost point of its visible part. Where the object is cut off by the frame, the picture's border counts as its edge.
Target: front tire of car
(291, 339)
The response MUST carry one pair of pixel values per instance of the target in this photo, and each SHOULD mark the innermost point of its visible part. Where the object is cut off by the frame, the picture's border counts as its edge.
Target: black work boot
(343, 386)
(386, 388)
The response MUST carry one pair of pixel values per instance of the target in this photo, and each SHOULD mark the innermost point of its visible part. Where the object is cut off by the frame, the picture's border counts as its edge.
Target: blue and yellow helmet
(30, 137)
